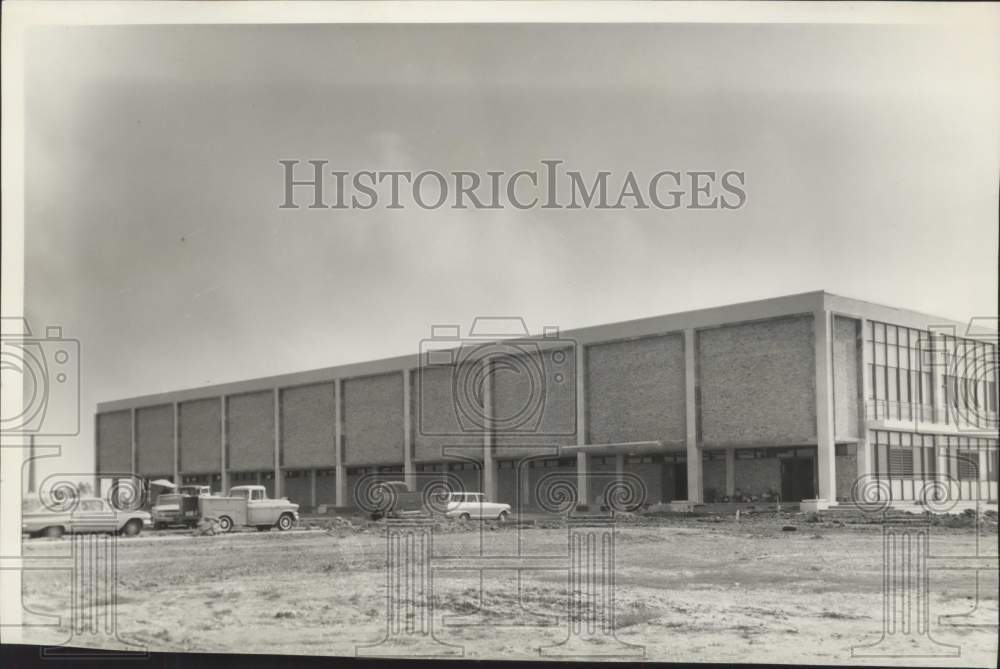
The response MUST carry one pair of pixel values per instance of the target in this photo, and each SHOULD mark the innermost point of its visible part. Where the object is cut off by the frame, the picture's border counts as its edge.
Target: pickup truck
(249, 506)
(179, 507)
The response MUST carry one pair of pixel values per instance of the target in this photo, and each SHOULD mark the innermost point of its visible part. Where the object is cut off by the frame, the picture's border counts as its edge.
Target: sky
(154, 237)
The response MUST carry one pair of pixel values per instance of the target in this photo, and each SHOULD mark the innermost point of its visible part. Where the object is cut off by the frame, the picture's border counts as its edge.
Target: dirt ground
(695, 590)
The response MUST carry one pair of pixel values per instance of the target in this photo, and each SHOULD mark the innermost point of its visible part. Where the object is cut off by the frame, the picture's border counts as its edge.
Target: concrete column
(825, 449)
(177, 450)
(695, 482)
(224, 474)
(312, 489)
(132, 429)
(864, 434)
(489, 437)
(278, 478)
(489, 464)
(527, 499)
(983, 486)
(341, 470)
(582, 459)
(619, 467)
(582, 478)
(409, 468)
(730, 472)
(937, 360)
(31, 465)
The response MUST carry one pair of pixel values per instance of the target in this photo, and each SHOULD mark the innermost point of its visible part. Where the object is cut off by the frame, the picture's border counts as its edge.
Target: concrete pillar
(582, 459)
(177, 450)
(825, 448)
(132, 430)
(338, 432)
(409, 468)
(865, 386)
(982, 485)
(278, 478)
(583, 478)
(31, 465)
(619, 467)
(730, 472)
(936, 345)
(489, 464)
(224, 474)
(312, 489)
(695, 482)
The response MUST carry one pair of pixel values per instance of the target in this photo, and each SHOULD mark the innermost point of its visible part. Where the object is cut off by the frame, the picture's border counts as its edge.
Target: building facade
(797, 397)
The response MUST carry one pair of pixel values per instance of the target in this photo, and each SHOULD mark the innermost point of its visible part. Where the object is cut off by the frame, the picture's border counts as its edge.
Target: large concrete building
(798, 395)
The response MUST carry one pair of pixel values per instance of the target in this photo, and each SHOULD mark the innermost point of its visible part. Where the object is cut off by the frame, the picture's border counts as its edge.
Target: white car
(469, 505)
(91, 515)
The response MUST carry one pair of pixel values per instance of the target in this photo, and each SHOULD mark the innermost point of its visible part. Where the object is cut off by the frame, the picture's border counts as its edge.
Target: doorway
(680, 481)
(797, 479)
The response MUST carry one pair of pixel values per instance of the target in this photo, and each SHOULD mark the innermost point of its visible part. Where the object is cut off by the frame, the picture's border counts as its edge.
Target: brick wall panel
(435, 420)
(114, 441)
(635, 390)
(845, 377)
(847, 473)
(373, 419)
(714, 478)
(757, 382)
(154, 440)
(200, 434)
(758, 476)
(250, 431)
(555, 423)
(308, 423)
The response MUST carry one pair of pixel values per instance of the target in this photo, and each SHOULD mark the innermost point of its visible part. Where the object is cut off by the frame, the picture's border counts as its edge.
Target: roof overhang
(622, 448)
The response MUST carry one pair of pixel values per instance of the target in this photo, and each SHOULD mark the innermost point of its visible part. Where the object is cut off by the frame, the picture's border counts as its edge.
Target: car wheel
(132, 528)
(225, 523)
(53, 532)
(285, 523)
(463, 517)
(503, 516)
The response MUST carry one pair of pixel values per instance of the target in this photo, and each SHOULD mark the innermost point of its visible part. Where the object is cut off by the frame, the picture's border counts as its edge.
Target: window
(900, 462)
(900, 372)
(968, 466)
(92, 505)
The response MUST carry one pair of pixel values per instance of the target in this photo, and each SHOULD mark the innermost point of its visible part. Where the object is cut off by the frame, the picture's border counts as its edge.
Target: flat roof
(799, 304)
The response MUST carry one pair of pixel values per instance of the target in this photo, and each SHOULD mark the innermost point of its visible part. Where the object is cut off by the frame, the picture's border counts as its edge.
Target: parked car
(179, 507)
(468, 505)
(91, 515)
(249, 505)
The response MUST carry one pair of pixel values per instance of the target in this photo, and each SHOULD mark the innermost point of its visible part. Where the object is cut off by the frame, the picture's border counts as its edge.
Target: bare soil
(695, 590)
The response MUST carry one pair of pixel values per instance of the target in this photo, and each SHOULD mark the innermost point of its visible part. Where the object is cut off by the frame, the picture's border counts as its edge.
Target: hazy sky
(153, 234)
